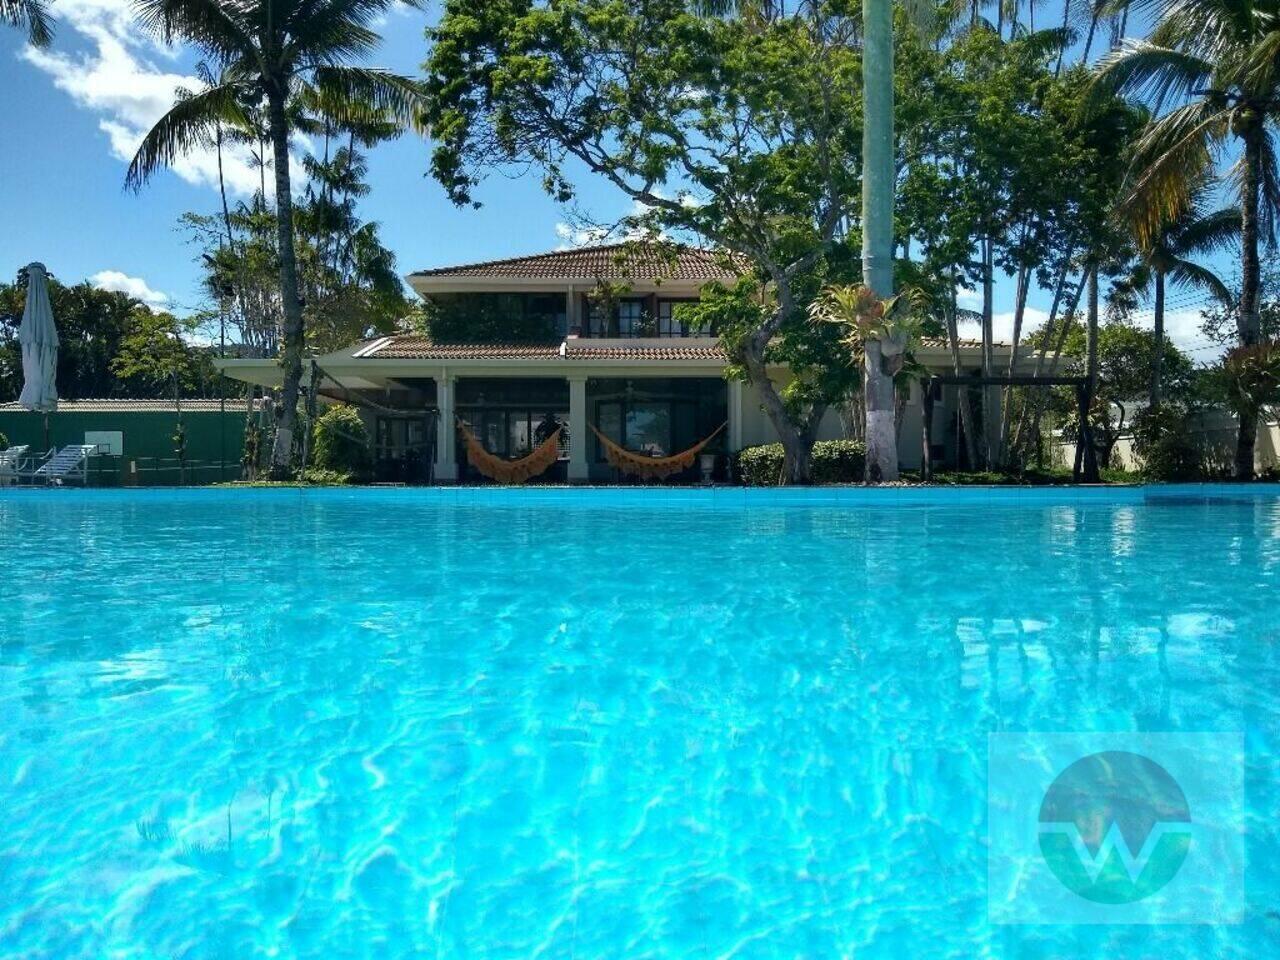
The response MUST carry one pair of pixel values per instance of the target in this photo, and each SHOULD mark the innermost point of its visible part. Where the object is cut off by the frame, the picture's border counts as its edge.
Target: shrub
(341, 442)
(834, 461)
(1163, 442)
(326, 478)
(4, 442)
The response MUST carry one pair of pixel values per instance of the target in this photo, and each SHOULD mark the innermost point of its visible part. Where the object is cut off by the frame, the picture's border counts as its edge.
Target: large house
(593, 338)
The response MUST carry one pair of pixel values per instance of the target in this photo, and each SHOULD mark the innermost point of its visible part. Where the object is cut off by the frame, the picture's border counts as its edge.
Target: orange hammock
(646, 467)
(510, 471)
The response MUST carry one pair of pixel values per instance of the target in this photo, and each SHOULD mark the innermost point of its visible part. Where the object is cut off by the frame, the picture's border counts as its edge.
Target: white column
(735, 416)
(447, 435)
(579, 467)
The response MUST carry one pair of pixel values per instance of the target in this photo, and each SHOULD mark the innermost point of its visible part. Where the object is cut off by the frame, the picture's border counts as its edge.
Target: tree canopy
(99, 330)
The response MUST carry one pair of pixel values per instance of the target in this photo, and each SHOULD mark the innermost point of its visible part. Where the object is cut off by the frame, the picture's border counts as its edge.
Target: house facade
(587, 338)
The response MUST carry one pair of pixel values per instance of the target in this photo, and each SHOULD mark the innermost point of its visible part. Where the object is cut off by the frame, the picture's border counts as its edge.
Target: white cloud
(1182, 326)
(968, 299)
(125, 81)
(1033, 318)
(572, 237)
(135, 287)
(629, 226)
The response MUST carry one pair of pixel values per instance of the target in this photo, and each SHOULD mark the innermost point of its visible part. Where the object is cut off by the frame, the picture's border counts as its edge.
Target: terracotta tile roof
(674, 350)
(421, 348)
(964, 344)
(406, 347)
(617, 261)
(128, 405)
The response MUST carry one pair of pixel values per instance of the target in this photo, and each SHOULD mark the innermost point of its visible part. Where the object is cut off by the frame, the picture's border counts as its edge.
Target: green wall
(147, 442)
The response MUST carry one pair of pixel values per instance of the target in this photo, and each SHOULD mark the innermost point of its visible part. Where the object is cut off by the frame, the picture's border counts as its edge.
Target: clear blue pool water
(246, 724)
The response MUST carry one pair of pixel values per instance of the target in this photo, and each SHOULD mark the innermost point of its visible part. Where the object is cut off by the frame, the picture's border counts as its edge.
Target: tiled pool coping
(694, 496)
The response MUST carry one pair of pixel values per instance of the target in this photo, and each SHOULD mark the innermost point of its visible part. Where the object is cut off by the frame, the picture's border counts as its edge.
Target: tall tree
(263, 51)
(31, 16)
(1211, 73)
(1166, 259)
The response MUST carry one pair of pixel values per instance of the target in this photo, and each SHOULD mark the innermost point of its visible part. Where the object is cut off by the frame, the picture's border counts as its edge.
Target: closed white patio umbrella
(39, 340)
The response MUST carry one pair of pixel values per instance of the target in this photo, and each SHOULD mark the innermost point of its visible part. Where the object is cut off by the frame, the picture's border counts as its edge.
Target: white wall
(1216, 430)
(757, 428)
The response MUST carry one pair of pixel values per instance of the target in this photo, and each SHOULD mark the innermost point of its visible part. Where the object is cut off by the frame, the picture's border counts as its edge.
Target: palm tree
(29, 15)
(1165, 259)
(878, 191)
(265, 51)
(1211, 74)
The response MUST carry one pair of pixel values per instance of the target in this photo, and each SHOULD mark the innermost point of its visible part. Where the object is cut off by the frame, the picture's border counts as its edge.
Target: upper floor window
(629, 318)
(669, 326)
(633, 317)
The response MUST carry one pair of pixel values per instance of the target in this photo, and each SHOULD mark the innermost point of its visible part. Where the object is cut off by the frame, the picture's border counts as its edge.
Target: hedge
(834, 461)
(341, 442)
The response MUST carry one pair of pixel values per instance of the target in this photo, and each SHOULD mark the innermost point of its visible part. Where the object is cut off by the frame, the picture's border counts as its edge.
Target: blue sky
(75, 113)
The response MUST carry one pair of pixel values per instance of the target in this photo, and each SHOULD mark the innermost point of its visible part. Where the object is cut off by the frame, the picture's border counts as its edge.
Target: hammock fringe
(510, 471)
(652, 468)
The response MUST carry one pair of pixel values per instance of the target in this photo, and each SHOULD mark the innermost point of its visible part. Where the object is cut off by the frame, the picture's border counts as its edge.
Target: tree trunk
(222, 190)
(1027, 429)
(1091, 389)
(878, 191)
(1006, 395)
(990, 395)
(962, 392)
(1249, 323)
(1157, 353)
(1093, 27)
(1066, 25)
(291, 349)
(796, 440)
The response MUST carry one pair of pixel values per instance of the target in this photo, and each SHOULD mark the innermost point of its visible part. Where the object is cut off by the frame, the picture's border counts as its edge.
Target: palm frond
(361, 94)
(1157, 75)
(1187, 273)
(1270, 189)
(1048, 42)
(323, 32)
(29, 15)
(1258, 66)
(1214, 30)
(221, 29)
(1208, 234)
(188, 125)
(1174, 154)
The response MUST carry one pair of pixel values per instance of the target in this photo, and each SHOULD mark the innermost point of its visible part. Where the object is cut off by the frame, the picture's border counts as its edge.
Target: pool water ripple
(368, 725)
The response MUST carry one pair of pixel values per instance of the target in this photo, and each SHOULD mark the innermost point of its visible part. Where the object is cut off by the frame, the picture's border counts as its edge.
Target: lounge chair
(10, 463)
(69, 463)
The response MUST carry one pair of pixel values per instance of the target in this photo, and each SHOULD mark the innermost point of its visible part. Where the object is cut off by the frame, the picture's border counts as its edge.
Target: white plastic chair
(10, 462)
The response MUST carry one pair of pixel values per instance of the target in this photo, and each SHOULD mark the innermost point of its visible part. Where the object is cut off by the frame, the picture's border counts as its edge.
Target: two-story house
(588, 336)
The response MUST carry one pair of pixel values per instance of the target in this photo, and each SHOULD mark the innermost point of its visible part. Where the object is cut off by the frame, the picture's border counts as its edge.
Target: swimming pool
(644, 723)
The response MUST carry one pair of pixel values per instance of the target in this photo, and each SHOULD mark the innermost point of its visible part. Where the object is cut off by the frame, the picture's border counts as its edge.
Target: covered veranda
(506, 393)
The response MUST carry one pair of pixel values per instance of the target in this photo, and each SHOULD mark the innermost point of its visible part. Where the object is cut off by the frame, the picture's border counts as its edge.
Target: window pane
(608, 422)
(648, 428)
(666, 325)
(518, 434)
(490, 428)
(629, 314)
